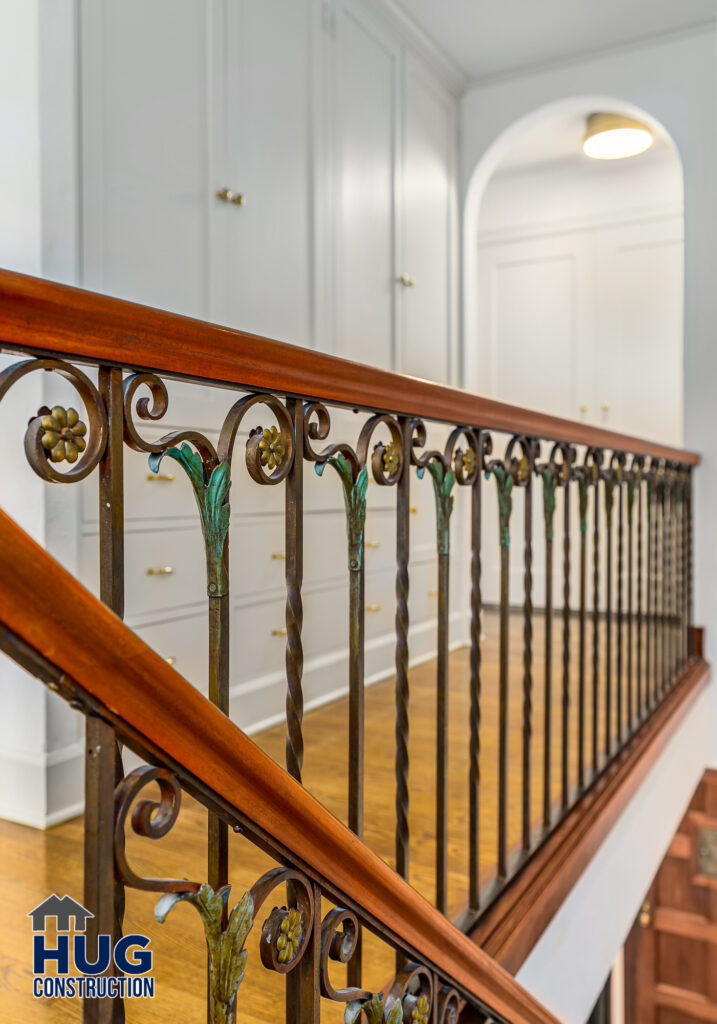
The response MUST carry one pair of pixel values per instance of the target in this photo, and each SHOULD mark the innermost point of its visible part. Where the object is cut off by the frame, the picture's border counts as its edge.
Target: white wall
(41, 744)
(581, 191)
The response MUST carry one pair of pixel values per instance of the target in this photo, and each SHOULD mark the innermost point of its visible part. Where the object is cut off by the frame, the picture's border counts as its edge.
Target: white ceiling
(490, 37)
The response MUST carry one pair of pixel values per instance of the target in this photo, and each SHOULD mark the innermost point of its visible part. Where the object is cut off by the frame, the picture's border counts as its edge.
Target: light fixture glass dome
(614, 137)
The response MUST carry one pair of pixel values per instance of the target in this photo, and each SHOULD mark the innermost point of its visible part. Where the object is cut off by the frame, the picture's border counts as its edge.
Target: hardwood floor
(35, 864)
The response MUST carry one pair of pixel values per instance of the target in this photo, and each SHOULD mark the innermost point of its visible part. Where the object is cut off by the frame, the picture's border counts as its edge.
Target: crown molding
(422, 43)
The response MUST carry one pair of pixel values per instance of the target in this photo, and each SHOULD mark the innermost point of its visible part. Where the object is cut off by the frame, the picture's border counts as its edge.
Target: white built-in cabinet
(587, 323)
(393, 145)
(332, 138)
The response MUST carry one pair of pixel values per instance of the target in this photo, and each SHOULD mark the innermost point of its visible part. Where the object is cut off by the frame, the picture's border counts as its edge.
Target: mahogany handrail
(63, 320)
(87, 642)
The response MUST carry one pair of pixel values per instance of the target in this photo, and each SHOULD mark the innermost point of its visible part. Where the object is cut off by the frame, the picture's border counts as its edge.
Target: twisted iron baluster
(484, 447)
(504, 474)
(666, 574)
(549, 476)
(649, 597)
(508, 472)
(690, 560)
(403, 517)
(531, 451)
(568, 459)
(619, 475)
(595, 475)
(609, 480)
(583, 478)
(294, 529)
(633, 479)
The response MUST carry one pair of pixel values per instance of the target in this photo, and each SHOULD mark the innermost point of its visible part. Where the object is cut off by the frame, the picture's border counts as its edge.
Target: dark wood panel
(54, 318)
(671, 954)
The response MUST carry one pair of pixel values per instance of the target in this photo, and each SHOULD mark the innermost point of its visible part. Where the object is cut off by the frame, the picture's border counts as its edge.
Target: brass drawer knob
(372, 545)
(373, 607)
(406, 281)
(278, 632)
(160, 478)
(227, 196)
(414, 510)
(646, 914)
(278, 556)
(162, 570)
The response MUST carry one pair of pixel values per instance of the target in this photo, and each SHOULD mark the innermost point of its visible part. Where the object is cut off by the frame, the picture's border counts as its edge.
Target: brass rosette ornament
(63, 436)
(59, 435)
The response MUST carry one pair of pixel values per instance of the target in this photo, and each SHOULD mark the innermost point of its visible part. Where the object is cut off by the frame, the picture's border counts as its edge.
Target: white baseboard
(42, 789)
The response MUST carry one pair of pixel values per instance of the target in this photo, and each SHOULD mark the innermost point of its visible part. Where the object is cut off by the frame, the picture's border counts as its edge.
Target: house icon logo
(65, 911)
(74, 965)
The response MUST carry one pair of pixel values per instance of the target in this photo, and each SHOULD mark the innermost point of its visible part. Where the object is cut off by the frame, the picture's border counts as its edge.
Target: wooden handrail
(53, 614)
(52, 318)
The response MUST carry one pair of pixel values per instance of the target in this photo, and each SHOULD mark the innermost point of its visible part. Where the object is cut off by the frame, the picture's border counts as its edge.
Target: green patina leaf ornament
(550, 484)
(355, 501)
(504, 480)
(583, 493)
(442, 486)
(212, 498)
(225, 943)
(609, 499)
(375, 1011)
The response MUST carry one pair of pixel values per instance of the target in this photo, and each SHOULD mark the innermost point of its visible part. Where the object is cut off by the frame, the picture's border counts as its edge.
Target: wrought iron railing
(618, 510)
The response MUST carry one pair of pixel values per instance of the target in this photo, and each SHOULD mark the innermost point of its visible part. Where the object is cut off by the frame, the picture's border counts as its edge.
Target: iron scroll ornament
(269, 454)
(57, 435)
(386, 461)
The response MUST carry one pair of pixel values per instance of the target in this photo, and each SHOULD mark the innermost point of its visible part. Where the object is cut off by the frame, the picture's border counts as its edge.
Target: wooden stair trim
(510, 928)
(671, 997)
(110, 663)
(685, 924)
(60, 320)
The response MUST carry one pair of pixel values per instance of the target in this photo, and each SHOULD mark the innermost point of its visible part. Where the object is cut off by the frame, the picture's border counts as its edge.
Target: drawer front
(186, 641)
(149, 587)
(423, 593)
(259, 637)
(380, 603)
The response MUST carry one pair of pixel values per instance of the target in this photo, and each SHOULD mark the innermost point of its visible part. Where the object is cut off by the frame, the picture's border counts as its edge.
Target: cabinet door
(639, 363)
(427, 249)
(147, 89)
(366, 78)
(263, 143)
(535, 326)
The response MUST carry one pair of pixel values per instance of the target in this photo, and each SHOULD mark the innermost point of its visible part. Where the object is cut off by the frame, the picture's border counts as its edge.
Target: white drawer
(380, 603)
(259, 640)
(182, 551)
(186, 640)
(423, 593)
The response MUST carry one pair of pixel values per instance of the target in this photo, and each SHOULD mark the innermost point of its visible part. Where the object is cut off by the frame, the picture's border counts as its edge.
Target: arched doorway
(574, 274)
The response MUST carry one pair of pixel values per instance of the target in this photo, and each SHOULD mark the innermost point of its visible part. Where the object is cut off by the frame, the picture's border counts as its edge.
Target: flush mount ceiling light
(614, 137)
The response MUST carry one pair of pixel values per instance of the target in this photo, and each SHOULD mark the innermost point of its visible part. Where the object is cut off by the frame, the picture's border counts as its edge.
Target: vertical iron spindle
(482, 444)
(103, 894)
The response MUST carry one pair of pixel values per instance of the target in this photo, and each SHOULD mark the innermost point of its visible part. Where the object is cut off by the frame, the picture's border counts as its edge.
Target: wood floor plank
(35, 864)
